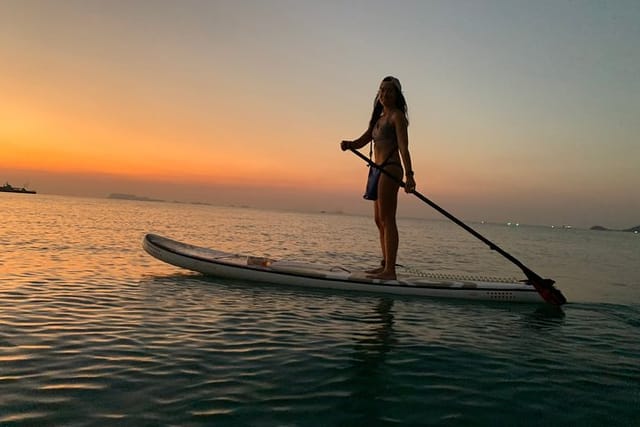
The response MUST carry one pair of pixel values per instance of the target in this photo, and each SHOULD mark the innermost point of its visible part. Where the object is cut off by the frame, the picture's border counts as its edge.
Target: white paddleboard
(245, 268)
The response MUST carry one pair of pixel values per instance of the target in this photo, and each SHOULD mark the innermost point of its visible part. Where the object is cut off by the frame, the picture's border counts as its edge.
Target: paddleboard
(248, 268)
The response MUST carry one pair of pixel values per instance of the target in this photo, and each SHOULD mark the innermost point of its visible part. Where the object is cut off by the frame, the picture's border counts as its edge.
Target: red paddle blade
(547, 291)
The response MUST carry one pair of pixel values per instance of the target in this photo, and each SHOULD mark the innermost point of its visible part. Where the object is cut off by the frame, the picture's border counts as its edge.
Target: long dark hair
(401, 102)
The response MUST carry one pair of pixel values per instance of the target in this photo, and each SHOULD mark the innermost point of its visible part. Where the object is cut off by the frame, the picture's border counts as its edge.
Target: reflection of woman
(369, 374)
(388, 130)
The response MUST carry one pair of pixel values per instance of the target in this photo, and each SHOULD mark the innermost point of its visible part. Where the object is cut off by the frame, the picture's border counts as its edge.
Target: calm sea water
(95, 332)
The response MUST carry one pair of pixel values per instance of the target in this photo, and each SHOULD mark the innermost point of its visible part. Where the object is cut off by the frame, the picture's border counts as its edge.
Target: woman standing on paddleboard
(388, 131)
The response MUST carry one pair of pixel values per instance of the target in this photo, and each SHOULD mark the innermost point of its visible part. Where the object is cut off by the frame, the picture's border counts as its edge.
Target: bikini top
(384, 134)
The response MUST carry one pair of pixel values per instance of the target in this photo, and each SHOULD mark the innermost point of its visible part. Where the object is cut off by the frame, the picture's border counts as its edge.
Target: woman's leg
(377, 219)
(387, 205)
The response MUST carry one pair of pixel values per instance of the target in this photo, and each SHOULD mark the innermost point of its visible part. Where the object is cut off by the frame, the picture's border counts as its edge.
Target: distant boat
(8, 188)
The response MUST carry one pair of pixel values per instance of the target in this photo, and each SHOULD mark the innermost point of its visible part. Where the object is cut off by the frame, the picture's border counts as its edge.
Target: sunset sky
(524, 111)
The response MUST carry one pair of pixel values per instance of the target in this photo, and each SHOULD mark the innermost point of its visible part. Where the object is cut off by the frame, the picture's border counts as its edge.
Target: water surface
(93, 331)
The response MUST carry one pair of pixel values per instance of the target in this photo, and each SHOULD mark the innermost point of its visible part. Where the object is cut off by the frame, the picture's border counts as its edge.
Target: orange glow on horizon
(38, 142)
(42, 130)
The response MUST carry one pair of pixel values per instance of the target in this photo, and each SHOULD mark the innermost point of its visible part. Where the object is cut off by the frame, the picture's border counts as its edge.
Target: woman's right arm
(357, 143)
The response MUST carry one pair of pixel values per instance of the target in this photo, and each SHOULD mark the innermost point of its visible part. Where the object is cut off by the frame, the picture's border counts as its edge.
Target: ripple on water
(94, 332)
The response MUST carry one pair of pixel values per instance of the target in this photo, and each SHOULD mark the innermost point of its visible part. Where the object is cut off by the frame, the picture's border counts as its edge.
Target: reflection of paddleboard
(248, 268)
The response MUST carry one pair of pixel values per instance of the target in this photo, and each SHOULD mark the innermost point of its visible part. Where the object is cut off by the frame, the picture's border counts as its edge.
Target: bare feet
(383, 276)
(375, 270)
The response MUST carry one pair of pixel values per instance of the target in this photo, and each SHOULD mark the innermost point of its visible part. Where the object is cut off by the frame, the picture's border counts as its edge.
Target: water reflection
(378, 343)
(368, 374)
(544, 317)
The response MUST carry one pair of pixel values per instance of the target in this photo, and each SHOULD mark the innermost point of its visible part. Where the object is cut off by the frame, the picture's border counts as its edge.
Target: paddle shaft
(528, 272)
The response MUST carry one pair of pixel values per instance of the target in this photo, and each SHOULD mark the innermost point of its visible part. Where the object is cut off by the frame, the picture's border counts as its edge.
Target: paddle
(544, 286)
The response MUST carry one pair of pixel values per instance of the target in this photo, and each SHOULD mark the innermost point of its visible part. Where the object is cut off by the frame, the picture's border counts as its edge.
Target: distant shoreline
(635, 229)
(123, 196)
(133, 197)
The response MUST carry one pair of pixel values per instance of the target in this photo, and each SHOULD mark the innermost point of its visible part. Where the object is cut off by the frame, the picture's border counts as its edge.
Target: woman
(388, 130)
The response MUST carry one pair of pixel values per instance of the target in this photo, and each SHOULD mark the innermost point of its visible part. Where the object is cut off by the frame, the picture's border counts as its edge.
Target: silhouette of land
(122, 196)
(635, 229)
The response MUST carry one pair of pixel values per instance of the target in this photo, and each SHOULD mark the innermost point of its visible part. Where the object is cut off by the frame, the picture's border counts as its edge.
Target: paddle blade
(547, 291)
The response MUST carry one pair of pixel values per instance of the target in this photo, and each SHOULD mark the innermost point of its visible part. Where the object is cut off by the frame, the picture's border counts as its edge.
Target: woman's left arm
(400, 123)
